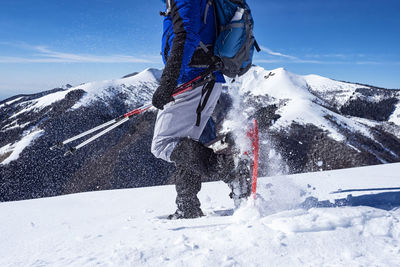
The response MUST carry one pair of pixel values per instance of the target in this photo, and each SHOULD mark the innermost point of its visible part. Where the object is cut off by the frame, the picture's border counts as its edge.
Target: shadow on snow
(385, 201)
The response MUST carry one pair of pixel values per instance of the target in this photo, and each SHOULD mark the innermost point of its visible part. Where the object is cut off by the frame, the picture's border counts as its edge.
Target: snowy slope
(314, 122)
(335, 91)
(133, 90)
(395, 118)
(131, 87)
(123, 228)
(14, 150)
(297, 100)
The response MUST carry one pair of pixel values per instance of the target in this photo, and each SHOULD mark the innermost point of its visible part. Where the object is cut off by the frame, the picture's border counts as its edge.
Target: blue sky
(45, 43)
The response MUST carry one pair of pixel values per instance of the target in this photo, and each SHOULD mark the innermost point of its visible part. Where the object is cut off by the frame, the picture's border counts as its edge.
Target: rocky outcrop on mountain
(307, 123)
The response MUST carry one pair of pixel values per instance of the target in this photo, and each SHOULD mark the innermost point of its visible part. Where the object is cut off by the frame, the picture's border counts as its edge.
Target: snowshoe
(241, 183)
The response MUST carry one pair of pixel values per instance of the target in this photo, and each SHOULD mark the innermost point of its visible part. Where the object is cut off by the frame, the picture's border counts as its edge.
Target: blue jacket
(185, 25)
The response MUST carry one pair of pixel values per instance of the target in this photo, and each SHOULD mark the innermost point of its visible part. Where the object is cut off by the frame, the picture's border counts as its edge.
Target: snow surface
(16, 149)
(395, 117)
(340, 91)
(14, 125)
(11, 102)
(40, 103)
(126, 227)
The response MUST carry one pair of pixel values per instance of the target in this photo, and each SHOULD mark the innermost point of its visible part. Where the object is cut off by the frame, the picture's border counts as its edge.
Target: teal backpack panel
(235, 43)
(225, 11)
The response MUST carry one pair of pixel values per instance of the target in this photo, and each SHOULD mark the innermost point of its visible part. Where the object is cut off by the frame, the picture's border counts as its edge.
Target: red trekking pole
(253, 134)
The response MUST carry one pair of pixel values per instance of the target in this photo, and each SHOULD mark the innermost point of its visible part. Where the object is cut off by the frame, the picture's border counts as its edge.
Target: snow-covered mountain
(316, 123)
(307, 123)
(127, 227)
(29, 126)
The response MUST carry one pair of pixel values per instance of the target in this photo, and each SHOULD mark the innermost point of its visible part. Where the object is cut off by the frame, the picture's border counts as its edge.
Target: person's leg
(176, 140)
(190, 158)
(195, 161)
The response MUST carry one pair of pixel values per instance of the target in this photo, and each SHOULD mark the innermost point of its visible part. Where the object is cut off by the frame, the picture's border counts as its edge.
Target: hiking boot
(188, 208)
(186, 215)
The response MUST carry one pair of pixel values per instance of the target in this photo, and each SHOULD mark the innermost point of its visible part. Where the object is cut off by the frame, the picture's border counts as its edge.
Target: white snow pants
(178, 119)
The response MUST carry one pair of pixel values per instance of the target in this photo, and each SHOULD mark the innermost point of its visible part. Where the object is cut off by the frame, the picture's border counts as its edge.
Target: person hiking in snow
(189, 25)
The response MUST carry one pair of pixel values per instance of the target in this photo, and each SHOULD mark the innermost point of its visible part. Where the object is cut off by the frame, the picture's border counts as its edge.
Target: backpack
(235, 43)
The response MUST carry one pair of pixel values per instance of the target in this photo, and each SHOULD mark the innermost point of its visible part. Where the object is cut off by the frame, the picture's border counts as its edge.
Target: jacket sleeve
(185, 15)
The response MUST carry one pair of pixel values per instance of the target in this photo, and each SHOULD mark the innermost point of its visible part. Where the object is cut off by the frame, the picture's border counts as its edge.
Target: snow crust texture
(128, 228)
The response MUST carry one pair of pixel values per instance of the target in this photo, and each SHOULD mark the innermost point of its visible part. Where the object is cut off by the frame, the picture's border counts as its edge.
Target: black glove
(161, 97)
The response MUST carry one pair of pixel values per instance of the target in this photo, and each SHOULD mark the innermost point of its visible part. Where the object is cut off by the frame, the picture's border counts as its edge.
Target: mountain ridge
(307, 123)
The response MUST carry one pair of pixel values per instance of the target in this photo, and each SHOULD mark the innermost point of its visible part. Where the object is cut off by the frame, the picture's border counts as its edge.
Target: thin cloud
(267, 61)
(284, 57)
(376, 63)
(337, 56)
(341, 59)
(273, 53)
(45, 55)
(310, 61)
(340, 56)
(297, 61)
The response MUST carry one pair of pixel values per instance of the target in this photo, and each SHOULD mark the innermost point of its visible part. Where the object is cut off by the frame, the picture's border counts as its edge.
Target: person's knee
(189, 153)
(155, 149)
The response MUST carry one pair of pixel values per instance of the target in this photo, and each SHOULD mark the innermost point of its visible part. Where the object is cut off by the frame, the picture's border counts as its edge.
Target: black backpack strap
(209, 4)
(257, 46)
(206, 93)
